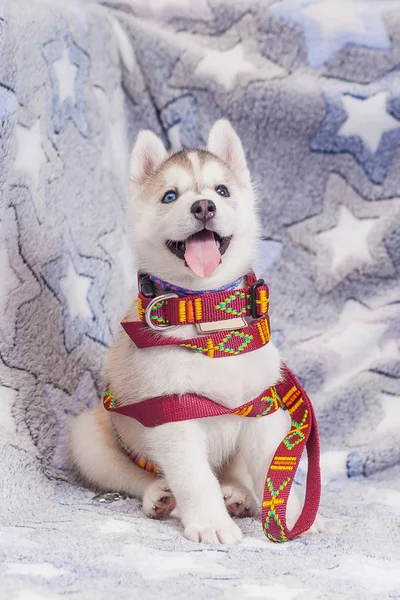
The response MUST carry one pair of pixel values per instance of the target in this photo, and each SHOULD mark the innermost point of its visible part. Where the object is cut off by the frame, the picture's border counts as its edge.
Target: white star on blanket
(355, 339)
(227, 60)
(79, 283)
(348, 235)
(229, 66)
(331, 25)
(362, 120)
(75, 288)
(348, 240)
(69, 72)
(115, 243)
(368, 119)
(66, 73)
(36, 162)
(362, 338)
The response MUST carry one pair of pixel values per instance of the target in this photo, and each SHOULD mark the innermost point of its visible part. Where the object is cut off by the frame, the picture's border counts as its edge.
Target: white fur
(147, 155)
(196, 457)
(152, 222)
(224, 143)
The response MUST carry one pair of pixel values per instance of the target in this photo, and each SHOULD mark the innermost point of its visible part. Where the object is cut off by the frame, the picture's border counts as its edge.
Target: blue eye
(222, 190)
(169, 196)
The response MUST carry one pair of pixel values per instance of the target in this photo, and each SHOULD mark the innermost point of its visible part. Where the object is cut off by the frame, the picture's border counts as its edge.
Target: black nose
(204, 210)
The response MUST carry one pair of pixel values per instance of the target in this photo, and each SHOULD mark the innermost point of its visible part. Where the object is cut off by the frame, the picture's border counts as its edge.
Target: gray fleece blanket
(313, 88)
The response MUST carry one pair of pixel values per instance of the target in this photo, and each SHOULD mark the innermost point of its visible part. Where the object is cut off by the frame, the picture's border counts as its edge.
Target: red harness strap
(287, 394)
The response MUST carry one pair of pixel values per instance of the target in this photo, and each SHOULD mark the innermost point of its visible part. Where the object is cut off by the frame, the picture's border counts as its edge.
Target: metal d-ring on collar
(147, 314)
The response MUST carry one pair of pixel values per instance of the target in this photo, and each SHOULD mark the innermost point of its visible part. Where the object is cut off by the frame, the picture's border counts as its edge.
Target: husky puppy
(213, 468)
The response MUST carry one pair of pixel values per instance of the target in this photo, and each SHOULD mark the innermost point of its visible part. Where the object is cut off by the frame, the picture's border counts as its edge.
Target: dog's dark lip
(178, 247)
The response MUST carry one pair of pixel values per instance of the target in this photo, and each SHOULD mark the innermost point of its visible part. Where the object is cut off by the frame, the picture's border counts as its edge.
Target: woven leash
(280, 477)
(287, 394)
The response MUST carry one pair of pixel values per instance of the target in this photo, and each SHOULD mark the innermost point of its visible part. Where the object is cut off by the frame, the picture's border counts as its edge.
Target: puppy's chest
(231, 381)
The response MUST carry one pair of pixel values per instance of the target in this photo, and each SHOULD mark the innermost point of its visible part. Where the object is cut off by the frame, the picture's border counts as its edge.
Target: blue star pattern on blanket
(69, 70)
(79, 284)
(330, 25)
(348, 235)
(363, 120)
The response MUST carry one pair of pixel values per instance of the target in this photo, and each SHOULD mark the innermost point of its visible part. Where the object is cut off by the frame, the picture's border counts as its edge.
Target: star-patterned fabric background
(313, 89)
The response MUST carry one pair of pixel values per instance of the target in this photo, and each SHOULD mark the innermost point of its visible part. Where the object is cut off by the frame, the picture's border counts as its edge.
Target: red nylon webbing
(303, 434)
(213, 345)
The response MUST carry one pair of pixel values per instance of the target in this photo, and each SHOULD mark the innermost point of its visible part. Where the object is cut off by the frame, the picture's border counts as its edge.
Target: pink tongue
(202, 254)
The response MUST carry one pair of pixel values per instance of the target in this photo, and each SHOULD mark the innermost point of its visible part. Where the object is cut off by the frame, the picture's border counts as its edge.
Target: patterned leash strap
(287, 394)
(280, 477)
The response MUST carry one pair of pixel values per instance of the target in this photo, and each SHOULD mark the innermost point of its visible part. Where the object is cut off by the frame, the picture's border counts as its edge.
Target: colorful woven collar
(287, 394)
(168, 311)
(173, 310)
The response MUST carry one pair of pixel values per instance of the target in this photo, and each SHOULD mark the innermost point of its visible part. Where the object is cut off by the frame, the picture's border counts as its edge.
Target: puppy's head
(193, 213)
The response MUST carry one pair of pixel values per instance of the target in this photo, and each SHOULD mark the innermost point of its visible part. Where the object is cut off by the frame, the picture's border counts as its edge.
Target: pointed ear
(147, 155)
(225, 143)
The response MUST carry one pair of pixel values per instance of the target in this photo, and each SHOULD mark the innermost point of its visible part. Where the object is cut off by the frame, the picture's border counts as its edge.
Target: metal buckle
(253, 297)
(147, 315)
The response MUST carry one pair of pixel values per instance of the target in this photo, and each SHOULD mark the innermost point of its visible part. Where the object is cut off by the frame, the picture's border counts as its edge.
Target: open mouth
(202, 251)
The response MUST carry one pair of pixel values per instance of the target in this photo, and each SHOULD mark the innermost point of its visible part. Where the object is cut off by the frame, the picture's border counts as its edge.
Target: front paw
(158, 501)
(211, 532)
(239, 501)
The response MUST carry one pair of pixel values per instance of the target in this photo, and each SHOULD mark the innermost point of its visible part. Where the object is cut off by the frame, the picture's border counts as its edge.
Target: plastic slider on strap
(282, 404)
(146, 286)
(253, 298)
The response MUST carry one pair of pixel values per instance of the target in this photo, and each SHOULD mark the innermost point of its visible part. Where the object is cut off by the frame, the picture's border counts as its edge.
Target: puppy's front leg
(181, 451)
